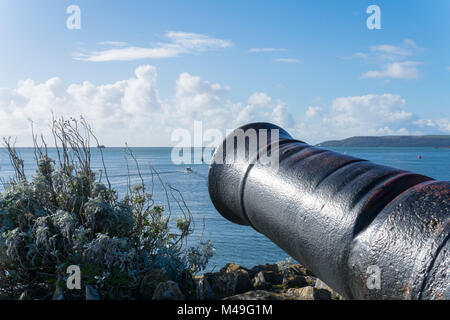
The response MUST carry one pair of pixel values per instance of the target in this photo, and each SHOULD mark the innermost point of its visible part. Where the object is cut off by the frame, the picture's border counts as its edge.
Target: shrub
(65, 215)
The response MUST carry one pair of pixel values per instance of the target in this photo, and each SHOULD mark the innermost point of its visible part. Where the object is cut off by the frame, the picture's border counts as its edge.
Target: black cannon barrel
(369, 231)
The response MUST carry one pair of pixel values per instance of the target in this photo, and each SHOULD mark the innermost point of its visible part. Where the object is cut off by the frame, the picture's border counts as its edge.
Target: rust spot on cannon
(434, 224)
(407, 291)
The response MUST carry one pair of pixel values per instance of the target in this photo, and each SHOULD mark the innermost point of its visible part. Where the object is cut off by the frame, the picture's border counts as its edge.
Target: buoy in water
(419, 157)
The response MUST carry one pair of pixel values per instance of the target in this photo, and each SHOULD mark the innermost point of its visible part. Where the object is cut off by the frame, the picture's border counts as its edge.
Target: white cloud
(132, 110)
(360, 55)
(369, 110)
(396, 70)
(443, 124)
(113, 43)
(287, 60)
(357, 55)
(440, 124)
(410, 43)
(180, 43)
(393, 53)
(259, 98)
(257, 50)
(390, 49)
(394, 61)
(281, 116)
(313, 112)
(197, 99)
(355, 116)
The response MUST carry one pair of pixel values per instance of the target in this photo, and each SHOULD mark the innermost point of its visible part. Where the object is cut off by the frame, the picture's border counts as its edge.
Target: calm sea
(233, 243)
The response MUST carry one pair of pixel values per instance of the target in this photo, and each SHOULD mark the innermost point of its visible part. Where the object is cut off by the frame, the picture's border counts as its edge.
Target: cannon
(369, 231)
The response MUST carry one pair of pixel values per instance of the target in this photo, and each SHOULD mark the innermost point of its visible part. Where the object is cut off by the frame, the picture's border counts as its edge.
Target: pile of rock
(233, 282)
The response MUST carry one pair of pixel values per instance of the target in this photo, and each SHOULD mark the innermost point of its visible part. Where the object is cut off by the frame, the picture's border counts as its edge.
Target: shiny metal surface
(339, 215)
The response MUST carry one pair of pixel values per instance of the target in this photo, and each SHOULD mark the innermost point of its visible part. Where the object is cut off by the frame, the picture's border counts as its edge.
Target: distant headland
(436, 141)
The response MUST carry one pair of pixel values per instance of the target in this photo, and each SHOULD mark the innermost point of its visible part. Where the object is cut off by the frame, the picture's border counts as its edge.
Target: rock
(269, 282)
(322, 294)
(297, 281)
(203, 290)
(243, 282)
(24, 296)
(242, 278)
(308, 293)
(260, 283)
(58, 294)
(272, 277)
(257, 295)
(267, 267)
(311, 281)
(305, 293)
(92, 293)
(298, 269)
(322, 285)
(187, 284)
(150, 281)
(225, 284)
(168, 290)
(220, 286)
(336, 296)
(230, 267)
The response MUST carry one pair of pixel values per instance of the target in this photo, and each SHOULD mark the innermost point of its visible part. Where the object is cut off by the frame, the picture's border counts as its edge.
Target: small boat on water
(189, 169)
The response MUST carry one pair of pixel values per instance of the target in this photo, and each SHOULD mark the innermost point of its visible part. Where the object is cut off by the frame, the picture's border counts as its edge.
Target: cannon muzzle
(369, 231)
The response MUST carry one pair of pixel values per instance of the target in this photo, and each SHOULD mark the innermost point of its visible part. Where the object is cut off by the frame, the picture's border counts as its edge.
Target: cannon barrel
(369, 231)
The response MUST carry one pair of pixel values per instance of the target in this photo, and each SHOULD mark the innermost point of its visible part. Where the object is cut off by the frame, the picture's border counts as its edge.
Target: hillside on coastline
(436, 141)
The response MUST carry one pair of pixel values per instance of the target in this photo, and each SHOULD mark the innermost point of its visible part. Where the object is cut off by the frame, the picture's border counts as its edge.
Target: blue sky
(311, 66)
